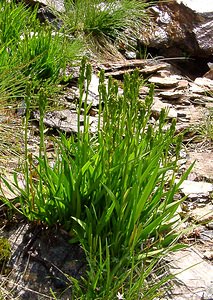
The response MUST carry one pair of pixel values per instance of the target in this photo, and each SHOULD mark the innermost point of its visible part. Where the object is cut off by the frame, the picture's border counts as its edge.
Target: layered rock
(177, 30)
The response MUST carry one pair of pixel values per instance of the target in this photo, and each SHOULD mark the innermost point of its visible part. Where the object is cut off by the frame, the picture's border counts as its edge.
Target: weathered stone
(176, 29)
(13, 192)
(171, 95)
(195, 88)
(93, 93)
(164, 82)
(204, 82)
(202, 215)
(66, 121)
(130, 54)
(57, 5)
(209, 74)
(208, 255)
(200, 6)
(153, 69)
(193, 275)
(203, 166)
(201, 99)
(193, 189)
(158, 105)
(40, 259)
(182, 84)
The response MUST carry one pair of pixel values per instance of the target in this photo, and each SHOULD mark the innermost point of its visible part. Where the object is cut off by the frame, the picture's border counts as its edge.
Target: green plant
(106, 21)
(205, 128)
(113, 191)
(5, 250)
(30, 51)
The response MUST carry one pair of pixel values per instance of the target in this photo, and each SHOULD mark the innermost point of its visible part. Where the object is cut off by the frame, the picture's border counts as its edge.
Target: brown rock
(182, 84)
(172, 95)
(203, 168)
(158, 105)
(209, 74)
(176, 29)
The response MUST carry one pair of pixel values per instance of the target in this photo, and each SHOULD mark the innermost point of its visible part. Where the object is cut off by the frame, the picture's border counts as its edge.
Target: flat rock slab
(171, 95)
(193, 275)
(204, 82)
(158, 105)
(67, 121)
(203, 214)
(193, 189)
(203, 168)
(40, 260)
(163, 81)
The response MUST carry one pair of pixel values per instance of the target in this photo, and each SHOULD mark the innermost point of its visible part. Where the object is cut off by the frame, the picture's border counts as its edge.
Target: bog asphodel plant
(113, 191)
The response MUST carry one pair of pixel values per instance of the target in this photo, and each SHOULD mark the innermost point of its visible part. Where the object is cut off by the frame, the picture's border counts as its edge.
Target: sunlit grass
(113, 191)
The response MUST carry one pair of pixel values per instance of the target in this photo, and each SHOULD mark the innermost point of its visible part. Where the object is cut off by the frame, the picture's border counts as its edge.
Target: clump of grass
(101, 22)
(30, 51)
(113, 191)
(204, 130)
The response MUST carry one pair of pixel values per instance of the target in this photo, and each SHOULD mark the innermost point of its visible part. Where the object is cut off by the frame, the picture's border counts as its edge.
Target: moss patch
(5, 250)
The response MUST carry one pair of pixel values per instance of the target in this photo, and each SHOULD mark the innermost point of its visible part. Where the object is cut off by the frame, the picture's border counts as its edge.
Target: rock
(194, 189)
(158, 105)
(182, 84)
(210, 225)
(203, 166)
(171, 95)
(195, 88)
(200, 6)
(193, 275)
(176, 30)
(12, 193)
(40, 259)
(207, 101)
(204, 82)
(66, 121)
(48, 10)
(57, 5)
(163, 81)
(202, 215)
(208, 255)
(130, 54)
(93, 94)
(209, 74)
(153, 68)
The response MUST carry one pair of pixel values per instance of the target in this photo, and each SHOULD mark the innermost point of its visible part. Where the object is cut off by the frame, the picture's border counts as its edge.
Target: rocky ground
(40, 257)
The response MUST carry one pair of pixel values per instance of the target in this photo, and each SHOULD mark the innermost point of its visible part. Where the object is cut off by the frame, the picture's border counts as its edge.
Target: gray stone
(193, 189)
(193, 275)
(204, 83)
(200, 6)
(175, 28)
(202, 215)
(67, 121)
(40, 260)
